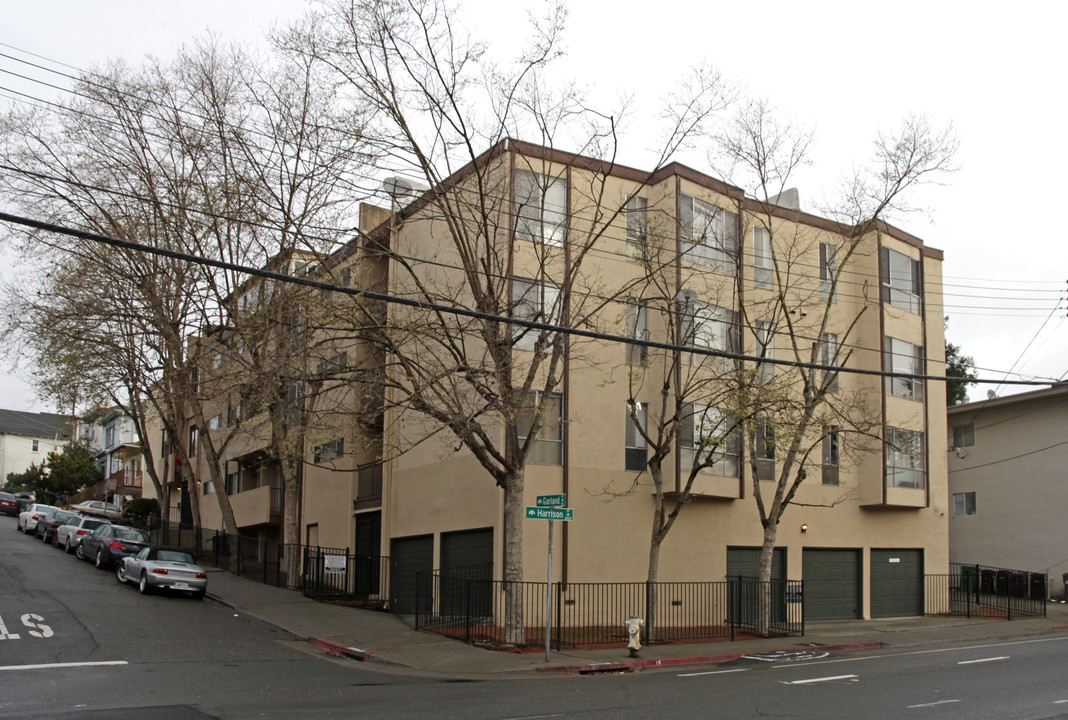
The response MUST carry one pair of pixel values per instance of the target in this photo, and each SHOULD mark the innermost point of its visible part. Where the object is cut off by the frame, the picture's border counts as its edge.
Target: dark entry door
(367, 565)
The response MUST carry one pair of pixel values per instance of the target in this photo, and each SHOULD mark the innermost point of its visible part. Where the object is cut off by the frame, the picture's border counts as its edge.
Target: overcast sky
(847, 69)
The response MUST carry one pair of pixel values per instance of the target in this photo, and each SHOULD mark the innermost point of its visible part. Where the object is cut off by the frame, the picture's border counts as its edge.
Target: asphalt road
(79, 646)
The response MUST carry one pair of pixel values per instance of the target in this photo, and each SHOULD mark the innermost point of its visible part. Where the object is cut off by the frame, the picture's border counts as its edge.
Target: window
(708, 438)
(829, 358)
(637, 329)
(35, 446)
(765, 348)
(708, 326)
(329, 451)
(763, 268)
(232, 482)
(903, 357)
(901, 281)
(336, 364)
(765, 452)
(214, 423)
(831, 453)
(109, 436)
(905, 458)
(233, 416)
(537, 302)
(828, 268)
(541, 208)
(963, 503)
(964, 435)
(637, 210)
(709, 234)
(548, 447)
(194, 379)
(193, 435)
(637, 456)
(208, 488)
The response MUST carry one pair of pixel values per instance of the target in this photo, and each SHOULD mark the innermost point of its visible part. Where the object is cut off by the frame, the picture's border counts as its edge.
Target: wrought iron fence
(334, 575)
(589, 614)
(981, 590)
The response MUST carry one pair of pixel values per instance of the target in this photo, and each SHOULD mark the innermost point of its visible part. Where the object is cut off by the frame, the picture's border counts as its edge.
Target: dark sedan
(9, 504)
(46, 526)
(110, 543)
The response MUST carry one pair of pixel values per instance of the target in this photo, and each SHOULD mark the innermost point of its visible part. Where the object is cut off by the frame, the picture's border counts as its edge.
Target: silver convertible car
(163, 568)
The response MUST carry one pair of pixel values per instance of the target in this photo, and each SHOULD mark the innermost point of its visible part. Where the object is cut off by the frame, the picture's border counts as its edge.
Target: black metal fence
(590, 614)
(334, 575)
(981, 590)
(265, 561)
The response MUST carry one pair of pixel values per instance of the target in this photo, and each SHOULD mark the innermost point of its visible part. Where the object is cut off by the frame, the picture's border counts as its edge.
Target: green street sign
(537, 513)
(551, 500)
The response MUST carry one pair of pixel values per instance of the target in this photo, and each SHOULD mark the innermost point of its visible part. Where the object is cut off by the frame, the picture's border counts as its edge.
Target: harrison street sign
(548, 513)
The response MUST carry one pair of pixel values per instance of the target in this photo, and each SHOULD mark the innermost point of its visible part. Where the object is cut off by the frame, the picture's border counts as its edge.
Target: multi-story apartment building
(737, 312)
(113, 441)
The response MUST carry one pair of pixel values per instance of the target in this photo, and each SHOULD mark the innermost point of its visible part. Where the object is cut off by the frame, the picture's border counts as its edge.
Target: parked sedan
(110, 543)
(46, 526)
(28, 518)
(69, 535)
(99, 508)
(157, 568)
(9, 504)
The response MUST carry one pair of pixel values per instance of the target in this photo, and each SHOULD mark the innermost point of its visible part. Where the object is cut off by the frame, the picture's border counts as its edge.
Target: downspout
(565, 405)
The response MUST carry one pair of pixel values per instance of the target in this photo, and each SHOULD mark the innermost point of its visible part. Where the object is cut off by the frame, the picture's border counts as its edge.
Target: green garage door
(745, 562)
(466, 587)
(896, 583)
(832, 584)
(407, 556)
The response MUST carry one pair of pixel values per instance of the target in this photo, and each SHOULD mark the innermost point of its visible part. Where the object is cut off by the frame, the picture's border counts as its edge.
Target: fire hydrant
(634, 634)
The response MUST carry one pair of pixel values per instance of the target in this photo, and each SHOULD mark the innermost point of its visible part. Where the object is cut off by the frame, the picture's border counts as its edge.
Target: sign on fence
(335, 564)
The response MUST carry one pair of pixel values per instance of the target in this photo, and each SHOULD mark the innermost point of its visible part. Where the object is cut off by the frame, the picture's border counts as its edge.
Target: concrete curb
(338, 650)
(637, 665)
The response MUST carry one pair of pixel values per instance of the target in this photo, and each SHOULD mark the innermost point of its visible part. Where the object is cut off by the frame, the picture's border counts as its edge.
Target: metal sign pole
(549, 593)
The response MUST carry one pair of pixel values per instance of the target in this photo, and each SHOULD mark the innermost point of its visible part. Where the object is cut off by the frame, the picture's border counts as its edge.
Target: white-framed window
(537, 302)
(903, 357)
(194, 435)
(708, 437)
(828, 269)
(901, 281)
(548, 447)
(215, 422)
(637, 329)
(637, 453)
(829, 358)
(541, 208)
(637, 211)
(831, 454)
(765, 348)
(763, 266)
(329, 451)
(709, 326)
(964, 435)
(35, 446)
(709, 234)
(906, 453)
(963, 503)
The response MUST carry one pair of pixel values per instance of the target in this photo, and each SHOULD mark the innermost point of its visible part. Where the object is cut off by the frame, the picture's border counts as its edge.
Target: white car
(69, 535)
(98, 508)
(28, 518)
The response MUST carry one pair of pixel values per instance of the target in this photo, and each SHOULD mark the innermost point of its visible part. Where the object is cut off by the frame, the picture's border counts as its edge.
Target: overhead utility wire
(463, 312)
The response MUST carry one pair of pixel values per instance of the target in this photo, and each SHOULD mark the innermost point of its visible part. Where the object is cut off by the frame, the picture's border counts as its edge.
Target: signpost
(549, 507)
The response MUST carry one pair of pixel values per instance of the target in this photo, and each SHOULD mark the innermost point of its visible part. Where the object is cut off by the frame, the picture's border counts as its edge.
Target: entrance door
(367, 565)
(832, 584)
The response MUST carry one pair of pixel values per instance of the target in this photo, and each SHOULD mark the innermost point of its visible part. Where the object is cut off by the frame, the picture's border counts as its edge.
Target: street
(77, 645)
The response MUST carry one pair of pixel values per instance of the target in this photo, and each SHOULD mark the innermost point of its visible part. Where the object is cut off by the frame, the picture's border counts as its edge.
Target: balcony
(368, 488)
(259, 506)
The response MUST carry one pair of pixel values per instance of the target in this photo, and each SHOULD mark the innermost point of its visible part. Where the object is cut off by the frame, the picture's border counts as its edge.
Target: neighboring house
(113, 441)
(1007, 468)
(26, 438)
(870, 522)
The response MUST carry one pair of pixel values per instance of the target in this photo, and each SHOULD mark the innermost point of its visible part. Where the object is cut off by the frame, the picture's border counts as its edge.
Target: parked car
(69, 535)
(46, 526)
(110, 543)
(159, 568)
(9, 504)
(99, 508)
(28, 518)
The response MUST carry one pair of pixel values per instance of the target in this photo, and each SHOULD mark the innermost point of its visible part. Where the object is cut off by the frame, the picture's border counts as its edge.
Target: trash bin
(986, 580)
(1039, 586)
(969, 578)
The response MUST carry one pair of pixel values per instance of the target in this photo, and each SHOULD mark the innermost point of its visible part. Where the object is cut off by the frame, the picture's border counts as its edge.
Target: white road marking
(983, 660)
(49, 666)
(534, 717)
(714, 672)
(1059, 702)
(940, 702)
(832, 678)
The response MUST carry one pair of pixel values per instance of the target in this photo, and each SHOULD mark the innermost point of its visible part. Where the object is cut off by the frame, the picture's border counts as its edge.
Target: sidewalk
(385, 639)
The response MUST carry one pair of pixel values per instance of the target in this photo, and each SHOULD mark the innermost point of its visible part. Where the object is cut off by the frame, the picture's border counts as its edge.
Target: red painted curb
(338, 650)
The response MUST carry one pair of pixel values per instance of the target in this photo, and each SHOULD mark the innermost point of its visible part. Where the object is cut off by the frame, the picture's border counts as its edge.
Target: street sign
(551, 500)
(537, 513)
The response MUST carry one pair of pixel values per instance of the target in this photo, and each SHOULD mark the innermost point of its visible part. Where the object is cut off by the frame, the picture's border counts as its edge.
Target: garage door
(407, 556)
(832, 584)
(466, 585)
(745, 562)
(896, 583)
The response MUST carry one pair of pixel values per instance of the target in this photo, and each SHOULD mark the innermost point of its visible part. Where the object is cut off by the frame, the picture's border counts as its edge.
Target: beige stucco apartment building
(1007, 460)
(739, 279)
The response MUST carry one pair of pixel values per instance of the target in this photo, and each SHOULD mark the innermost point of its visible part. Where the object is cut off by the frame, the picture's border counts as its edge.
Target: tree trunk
(650, 586)
(514, 515)
(764, 592)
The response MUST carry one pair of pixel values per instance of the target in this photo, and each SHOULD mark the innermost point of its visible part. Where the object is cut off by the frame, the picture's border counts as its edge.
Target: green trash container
(969, 578)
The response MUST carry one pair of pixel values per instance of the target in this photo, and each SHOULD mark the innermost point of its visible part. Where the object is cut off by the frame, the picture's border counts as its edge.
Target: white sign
(895, 560)
(335, 564)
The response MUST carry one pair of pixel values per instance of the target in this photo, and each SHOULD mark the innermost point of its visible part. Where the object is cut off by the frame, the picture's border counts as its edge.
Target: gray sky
(847, 69)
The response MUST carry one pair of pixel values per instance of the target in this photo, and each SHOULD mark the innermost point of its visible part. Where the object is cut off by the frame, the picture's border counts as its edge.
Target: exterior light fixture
(804, 527)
